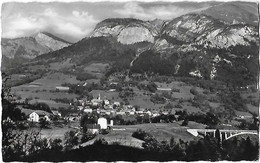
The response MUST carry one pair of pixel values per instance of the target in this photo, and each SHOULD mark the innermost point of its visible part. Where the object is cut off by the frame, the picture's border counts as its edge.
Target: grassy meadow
(44, 89)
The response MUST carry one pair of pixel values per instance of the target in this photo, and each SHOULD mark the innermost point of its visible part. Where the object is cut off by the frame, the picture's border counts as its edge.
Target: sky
(73, 21)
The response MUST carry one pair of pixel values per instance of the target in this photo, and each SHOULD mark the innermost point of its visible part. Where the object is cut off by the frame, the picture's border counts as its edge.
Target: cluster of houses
(105, 107)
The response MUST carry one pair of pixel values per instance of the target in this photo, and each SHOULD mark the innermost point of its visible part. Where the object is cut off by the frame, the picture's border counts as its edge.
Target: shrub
(194, 91)
(87, 136)
(43, 123)
(166, 95)
(157, 99)
(185, 122)
(100, 142)
(152, 87)
(200, 98)
(178, 106)
(71, 139)
(140, 134)
(206, 92)
(175, 90)
(168, 106)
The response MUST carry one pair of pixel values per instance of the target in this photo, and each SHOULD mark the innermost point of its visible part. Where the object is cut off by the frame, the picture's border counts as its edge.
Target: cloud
(74, 24)
(132, 9)
(135, 10)
(18, 25)
(73, 21)
(50, 12)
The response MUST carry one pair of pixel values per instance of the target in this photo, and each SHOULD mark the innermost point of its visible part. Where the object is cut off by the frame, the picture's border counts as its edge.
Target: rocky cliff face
(192, 42)
(229, 36)
(180, 33)
(50, 42)
(208, 32)
(128, 31)
(188, 27)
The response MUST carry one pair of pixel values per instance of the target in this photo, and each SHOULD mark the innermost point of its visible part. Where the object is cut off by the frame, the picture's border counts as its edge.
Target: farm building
(163, 89)
(60, 88)
(111, 90)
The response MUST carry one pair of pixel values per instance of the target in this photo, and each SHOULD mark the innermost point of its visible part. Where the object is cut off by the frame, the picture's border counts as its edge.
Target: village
(98, 106)
(112, 110)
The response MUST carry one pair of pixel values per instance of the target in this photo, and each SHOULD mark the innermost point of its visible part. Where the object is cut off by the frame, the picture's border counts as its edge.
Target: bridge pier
(225, 135)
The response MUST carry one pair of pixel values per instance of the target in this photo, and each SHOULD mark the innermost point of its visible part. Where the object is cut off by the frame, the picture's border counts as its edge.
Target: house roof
(55, 112)
(30, 111)
(163, 89)
(96, 100)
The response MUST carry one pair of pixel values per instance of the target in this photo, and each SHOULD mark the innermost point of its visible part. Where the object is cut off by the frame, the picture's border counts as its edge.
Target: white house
(120, 113)
(155, 114)
(102, 122)
(34, 117)
(80, 107)
(139, 112)
(106, 102)
(88, 110)
(37, 115)
(131, 112)
(117, 103)
(148, 112)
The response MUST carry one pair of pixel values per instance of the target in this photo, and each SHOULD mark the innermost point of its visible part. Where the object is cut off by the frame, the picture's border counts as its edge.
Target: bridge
(224, 134)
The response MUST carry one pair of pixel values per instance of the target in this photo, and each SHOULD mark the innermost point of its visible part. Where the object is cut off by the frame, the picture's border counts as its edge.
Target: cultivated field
(44, 89)
(96, 69)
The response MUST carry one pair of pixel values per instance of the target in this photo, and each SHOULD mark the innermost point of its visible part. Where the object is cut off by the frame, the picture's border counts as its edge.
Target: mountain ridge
(26, 48)
(184, 46)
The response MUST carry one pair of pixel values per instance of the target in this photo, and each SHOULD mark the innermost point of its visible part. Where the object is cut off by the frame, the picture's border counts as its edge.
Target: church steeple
(99, 97)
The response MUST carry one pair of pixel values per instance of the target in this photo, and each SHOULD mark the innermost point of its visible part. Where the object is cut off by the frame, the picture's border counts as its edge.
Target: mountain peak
(50, 41)
(242, 12)
(43, 33)
(111, 22)
(22, 49)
